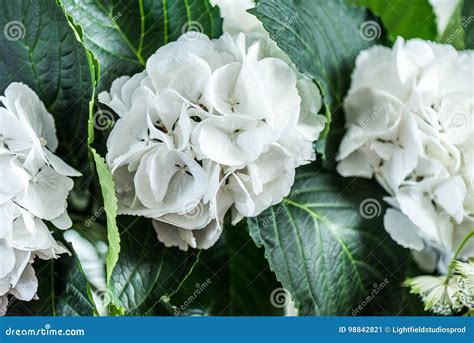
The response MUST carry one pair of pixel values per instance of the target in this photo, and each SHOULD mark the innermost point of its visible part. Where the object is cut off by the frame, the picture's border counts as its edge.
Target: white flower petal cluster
(209, 126)
(465, 279)
(446, 294)
(410, 124)
(439, 296)
(34, 186)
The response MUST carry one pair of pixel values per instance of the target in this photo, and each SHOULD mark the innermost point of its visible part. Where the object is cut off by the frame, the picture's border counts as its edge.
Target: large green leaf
(321, 37)
(63, 290)
(405, 18)
(39, 48)
(327, 245)
(231, 278)
(146, 270)
(123, 34)
(468, 23)
(110, 207)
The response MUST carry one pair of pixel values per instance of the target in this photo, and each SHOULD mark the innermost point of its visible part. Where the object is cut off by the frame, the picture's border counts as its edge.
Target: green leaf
(110, 207)
(39, 48)
(454, 32)
(405, 18)
(231, 278)
(63, 290)
(321, 37)
(326, 249)
(123, 34)
(468, 23)
(146, 270)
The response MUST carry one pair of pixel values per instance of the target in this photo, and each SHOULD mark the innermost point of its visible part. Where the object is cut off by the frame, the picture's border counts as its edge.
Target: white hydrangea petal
(269, 167)
(375, 70)
(302, 150)
(14, 178)
(63, 221)
(190, 81)
(268, 184)
(359, 163)
(277, 82)
(46, 194)
(31, 233)
(27, 285)
(450, 194)
(182, 131)
(243, 201)
(13, 132)
(147, 193)
(173, 236)
(419, 208)
(190, 217)
(170, 181)
(229, 94)
(426, 259)
(232, 140)
(8, 212)
(402, 230)
(310, 123)
(168, 106)
(208, 236)
(60, 166)
(7, 261)
(121, 92)
(460, 232)
(129, 136)
(3, 304)
(31, 111)
(22, 258)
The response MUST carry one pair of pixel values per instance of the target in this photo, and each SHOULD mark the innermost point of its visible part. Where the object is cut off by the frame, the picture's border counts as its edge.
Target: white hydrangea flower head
(210, 126)
(410, 125)
(34, 187)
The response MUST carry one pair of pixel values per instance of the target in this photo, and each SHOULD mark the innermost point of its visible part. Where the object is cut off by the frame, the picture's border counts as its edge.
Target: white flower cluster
(34, 186)
(410, 124)
(210, 125)
(449, 294)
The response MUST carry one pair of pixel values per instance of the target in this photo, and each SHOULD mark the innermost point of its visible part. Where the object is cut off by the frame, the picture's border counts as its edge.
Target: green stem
(455, 256)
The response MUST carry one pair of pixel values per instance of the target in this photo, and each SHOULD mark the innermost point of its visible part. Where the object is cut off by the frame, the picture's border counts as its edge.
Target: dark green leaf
(39, 48)
(412, 305)
(326, 250)
(63, 290)
(406, 18)
(321, 37)
(123, 34)
(231, 278)
(468, 23)
(146, 270)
